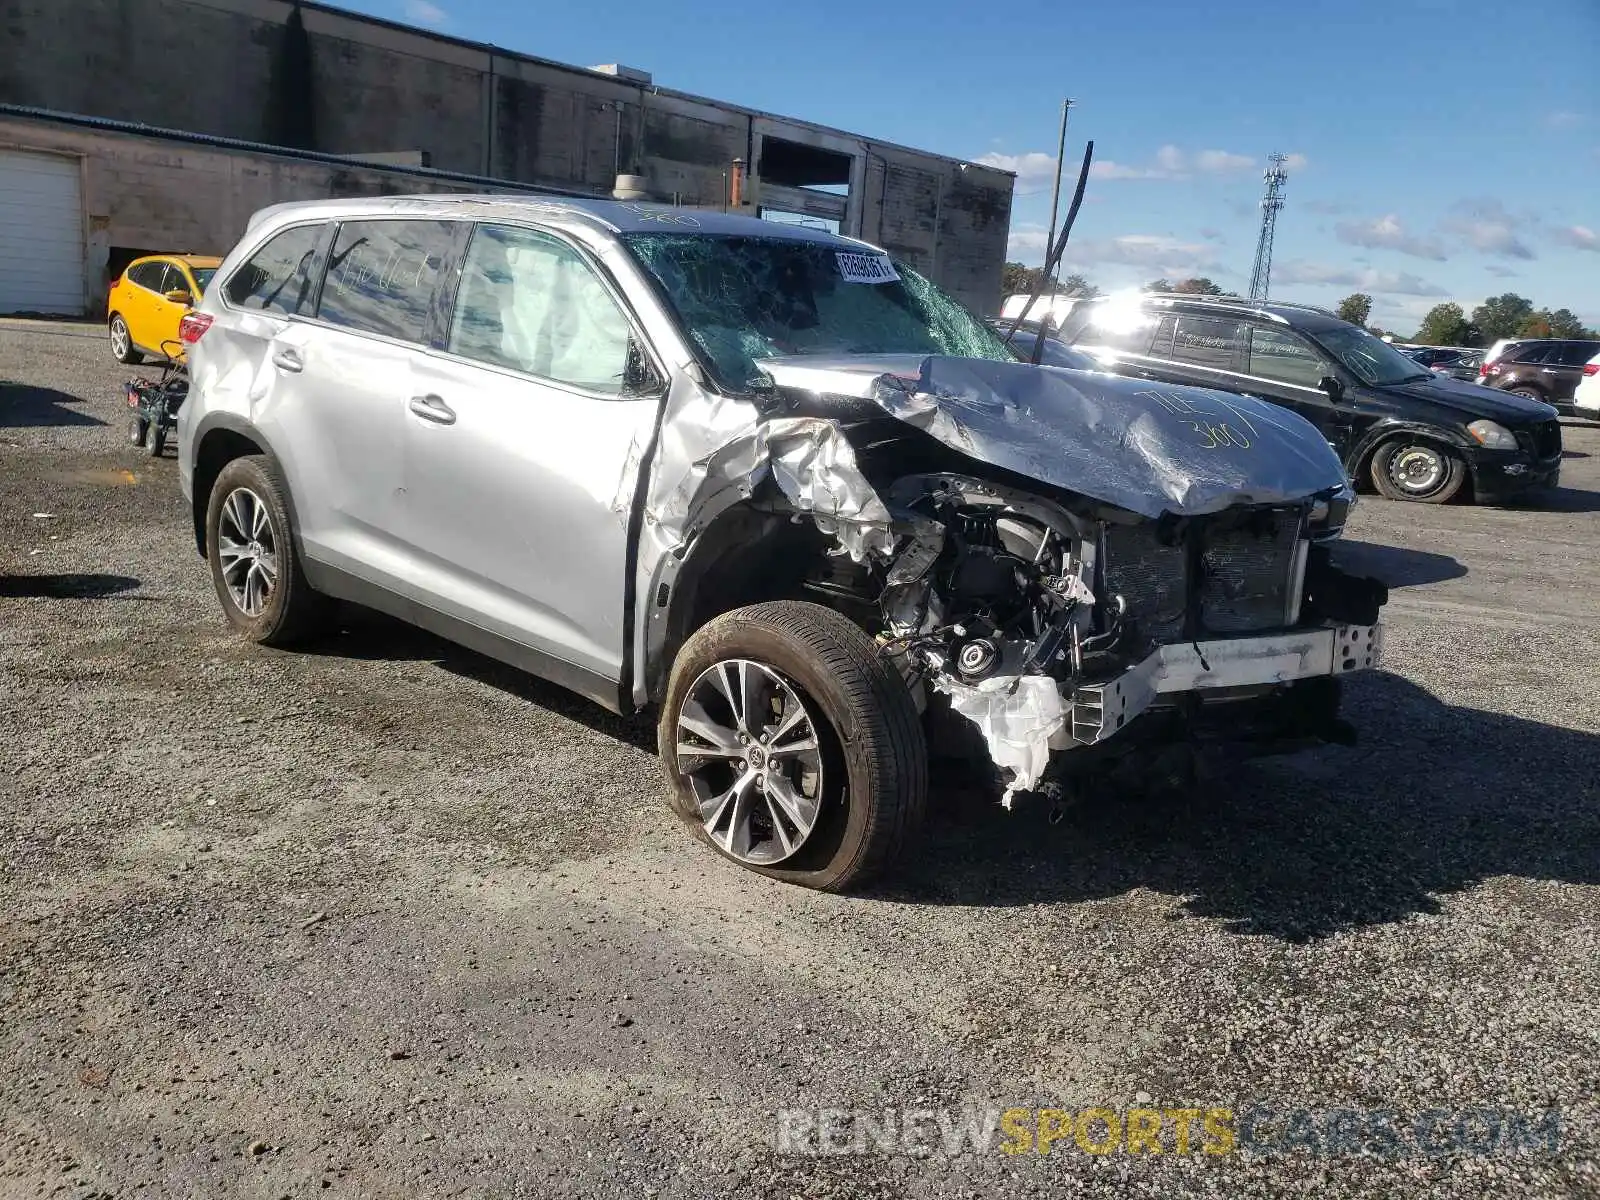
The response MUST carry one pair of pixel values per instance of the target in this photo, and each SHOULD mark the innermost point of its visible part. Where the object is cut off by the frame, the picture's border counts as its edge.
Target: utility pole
(1055, 195)
(1271, 204)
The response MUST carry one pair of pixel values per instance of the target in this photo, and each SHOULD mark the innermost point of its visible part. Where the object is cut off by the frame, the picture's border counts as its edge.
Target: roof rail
(1222, 302)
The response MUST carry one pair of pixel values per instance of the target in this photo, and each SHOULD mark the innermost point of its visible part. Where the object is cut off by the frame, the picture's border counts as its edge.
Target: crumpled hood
(1473, 400)
(1146, 447)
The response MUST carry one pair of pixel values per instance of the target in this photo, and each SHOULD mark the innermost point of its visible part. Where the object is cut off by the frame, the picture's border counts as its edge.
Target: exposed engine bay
(1020, 610)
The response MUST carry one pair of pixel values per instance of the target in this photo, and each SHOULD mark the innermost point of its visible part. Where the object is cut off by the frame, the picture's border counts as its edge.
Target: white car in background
(1586, 400)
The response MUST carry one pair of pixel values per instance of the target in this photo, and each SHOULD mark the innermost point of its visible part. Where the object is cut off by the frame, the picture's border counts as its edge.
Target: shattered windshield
(1372, 359)
(747, 298)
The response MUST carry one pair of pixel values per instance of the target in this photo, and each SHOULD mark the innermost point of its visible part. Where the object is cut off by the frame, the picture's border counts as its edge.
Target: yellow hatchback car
(148, 300)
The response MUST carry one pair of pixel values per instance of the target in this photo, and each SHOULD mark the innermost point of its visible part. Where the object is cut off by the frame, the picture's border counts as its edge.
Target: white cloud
(1105, 168)
(1486, 225)
(1220, 161)
(425, 13)
(1400, 283)
(1579, 237)
(1169, 159)
(1035, 170)
(1159, 255)
(1171, 162)
(1386, 233)
(1564, 119)
(1500, 272)
(1295, 162)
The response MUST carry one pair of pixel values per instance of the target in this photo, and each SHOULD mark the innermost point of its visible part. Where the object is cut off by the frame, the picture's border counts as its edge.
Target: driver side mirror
(1334, 386)
(180, 296)
(639, 376)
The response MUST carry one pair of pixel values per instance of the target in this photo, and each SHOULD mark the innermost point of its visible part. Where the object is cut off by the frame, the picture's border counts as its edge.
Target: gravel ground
(388, 919)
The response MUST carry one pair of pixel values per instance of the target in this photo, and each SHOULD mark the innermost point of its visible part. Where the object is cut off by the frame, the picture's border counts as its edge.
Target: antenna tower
(1271, 203)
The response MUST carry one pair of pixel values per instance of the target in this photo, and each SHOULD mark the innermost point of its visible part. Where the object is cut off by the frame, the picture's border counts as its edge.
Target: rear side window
(1528, 352)
(147, 275)
(381, 276)
(1575, 354)
(1115, 330)
(530, 302)
(1208, 342)
(281, 276)
(1275, 354)
(173, 280)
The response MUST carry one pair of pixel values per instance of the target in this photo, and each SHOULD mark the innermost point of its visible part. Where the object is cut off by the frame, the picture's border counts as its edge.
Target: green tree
(1355, 308)
(1564, 323)
(1536, 325)
(1158, 285)
(1445, 325)
(1016, 278)
(1502, 316)
(1196, 287)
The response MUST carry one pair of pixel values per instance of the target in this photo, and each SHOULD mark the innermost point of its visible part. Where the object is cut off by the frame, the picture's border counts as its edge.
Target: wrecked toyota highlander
(769, 484)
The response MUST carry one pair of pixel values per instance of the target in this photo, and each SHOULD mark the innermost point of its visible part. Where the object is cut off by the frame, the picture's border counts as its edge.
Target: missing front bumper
(1099, 711)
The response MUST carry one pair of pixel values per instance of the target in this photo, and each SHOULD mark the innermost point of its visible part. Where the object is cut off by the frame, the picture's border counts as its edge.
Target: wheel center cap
(756, 757)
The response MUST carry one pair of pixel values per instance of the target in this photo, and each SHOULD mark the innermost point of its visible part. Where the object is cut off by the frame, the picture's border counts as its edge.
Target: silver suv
(771, 485)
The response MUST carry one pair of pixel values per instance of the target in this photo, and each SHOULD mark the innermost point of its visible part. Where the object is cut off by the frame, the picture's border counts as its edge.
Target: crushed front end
(1074, 563)
(1057, 631)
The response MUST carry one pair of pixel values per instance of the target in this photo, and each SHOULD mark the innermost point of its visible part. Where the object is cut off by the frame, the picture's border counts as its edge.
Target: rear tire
(254, 565)
(122, 341)
(873, 779)
(1528, 393)
(1418, 472)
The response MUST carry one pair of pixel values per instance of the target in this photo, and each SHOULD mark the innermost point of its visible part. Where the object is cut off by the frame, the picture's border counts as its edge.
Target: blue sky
(1442, 149)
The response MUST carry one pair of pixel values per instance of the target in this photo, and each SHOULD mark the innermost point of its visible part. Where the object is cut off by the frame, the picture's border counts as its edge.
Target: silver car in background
(767, 483)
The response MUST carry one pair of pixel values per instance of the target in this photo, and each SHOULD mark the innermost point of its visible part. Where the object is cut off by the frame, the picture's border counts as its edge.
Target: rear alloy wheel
(1528, 393)
(254, 566)
(122, 341)
(1419, 472)
(791, 747)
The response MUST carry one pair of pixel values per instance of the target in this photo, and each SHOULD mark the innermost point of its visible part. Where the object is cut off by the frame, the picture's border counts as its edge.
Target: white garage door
(41, 234)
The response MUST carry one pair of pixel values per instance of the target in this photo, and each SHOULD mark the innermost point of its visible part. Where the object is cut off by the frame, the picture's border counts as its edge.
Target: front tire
(791, 747)
(1418, 472)
(254, 566)
(138, 427)
(157, 439)
(122, 341)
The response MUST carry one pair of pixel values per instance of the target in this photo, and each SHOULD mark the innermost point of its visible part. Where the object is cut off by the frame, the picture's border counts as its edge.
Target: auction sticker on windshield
(866, 268)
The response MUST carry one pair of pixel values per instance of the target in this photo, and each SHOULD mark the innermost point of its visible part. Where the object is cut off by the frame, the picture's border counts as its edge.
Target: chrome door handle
(431, 408)
(288, 359)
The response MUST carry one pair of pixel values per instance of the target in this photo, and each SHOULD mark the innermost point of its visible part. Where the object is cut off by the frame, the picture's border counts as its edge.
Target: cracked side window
(742, 299)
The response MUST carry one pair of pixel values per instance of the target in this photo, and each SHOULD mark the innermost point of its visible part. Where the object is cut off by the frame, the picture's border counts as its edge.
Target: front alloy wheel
(792, 747)
(748, 750)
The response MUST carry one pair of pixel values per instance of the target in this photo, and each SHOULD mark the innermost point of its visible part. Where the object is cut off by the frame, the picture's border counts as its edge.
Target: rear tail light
(1489, 369)
(193, 327)
(1591, 368)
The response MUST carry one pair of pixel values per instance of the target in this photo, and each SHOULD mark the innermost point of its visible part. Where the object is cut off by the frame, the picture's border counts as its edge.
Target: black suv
(1413, 434)
(1547, 369)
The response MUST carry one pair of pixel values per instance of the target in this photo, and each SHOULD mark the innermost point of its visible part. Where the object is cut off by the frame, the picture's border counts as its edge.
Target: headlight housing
(1492, 436)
